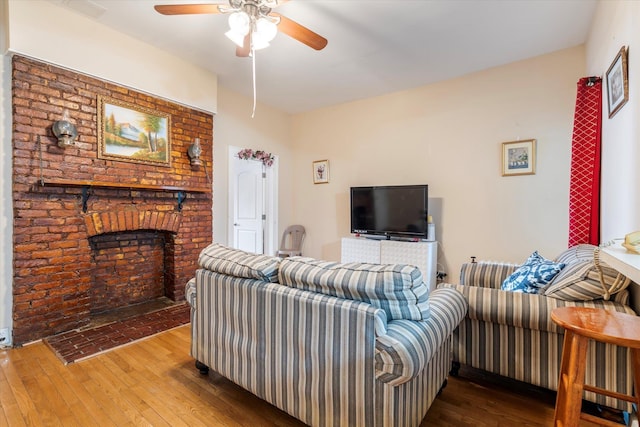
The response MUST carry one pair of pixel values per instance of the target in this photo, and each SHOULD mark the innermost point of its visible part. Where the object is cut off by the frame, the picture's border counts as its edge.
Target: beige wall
(616, 24)
(448, 135)
(270, 131)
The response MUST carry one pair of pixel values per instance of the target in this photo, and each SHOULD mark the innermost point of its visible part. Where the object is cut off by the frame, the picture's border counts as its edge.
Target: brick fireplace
(131, 254)
(93, 234)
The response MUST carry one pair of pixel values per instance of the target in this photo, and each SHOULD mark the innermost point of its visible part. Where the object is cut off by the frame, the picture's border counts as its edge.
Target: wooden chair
(291, 243)
(582, 324)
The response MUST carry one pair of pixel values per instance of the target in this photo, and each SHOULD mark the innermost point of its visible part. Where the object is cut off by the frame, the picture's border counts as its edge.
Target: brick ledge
(129, 220)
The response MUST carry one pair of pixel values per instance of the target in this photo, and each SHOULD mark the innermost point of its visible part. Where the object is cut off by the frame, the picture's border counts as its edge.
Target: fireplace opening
(131, 271)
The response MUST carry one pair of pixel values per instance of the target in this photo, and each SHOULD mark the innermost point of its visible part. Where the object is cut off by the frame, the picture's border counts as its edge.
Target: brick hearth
(78, 344)
(57, 246)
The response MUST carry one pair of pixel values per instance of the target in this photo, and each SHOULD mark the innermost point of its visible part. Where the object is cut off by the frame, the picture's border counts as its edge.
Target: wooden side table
(582, 324)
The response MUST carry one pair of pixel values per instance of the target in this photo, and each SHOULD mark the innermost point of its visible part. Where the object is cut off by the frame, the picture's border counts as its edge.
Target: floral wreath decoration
(267, 159)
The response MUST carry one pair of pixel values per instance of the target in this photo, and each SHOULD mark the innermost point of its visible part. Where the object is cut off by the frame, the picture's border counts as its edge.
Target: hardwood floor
(154, 382)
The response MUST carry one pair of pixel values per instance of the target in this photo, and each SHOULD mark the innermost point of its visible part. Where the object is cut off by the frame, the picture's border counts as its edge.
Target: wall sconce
(65, 131)
(194, 152)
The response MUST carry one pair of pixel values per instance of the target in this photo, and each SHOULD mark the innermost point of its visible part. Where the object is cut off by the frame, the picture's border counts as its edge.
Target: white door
(253, 207)
(249, 207)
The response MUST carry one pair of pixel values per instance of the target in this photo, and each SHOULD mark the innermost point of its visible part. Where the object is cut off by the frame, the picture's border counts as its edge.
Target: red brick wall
(53, 259)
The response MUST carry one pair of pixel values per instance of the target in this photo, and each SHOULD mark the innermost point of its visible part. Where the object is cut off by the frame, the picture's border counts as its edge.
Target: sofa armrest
(486, 274)
(529, 311)
(190, 292)
(408, 346)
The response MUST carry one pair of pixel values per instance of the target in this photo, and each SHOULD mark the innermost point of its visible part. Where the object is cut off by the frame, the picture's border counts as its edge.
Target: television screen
(390, 210)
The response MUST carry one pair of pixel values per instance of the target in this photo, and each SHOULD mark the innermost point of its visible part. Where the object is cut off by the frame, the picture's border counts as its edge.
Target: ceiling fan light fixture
(264, 32)
(257, 43)
(240, 22)
(239, 25)
(265, 29)
(238, 39)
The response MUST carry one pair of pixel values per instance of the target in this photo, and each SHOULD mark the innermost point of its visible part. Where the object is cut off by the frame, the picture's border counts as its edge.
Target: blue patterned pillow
(533, 275)
(535, 258)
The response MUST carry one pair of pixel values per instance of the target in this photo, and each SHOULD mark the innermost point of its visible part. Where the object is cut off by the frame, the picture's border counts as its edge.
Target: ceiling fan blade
(187, 9)
(245, 50)
(300, 33)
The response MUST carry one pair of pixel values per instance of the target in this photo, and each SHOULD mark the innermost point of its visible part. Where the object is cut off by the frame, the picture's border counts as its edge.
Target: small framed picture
(519, 157)
(321, 171)
(617, 82)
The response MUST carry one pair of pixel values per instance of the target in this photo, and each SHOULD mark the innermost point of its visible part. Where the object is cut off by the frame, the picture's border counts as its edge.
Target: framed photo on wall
(321, 172)
(519, 157)
(131, 133)
(617, 82)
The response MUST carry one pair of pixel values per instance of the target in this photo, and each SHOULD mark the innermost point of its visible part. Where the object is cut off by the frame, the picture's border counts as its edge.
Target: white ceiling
(375, 46)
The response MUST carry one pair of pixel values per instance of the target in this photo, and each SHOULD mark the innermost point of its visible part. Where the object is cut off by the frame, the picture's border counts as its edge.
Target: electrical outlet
(4, 336)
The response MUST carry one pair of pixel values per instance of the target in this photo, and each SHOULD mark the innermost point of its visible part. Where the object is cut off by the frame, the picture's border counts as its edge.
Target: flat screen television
(391, 211)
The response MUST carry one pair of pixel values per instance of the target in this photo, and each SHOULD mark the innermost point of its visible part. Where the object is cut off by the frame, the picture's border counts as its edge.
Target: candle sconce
(194, 152)
(65, 131)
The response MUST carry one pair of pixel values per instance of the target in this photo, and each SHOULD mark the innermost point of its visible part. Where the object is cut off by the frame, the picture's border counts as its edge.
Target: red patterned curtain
(584, 187)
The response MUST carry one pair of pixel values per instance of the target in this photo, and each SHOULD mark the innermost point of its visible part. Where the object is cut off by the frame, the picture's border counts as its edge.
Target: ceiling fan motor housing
(263, 7)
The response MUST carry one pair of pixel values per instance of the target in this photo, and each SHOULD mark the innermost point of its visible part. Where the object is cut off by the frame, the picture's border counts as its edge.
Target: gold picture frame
(131, 133)
(519, 157)
(321, 172)
(618, 82)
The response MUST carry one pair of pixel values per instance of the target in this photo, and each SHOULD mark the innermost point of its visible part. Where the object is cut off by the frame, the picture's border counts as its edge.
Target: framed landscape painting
(519, 157)
(131, 133)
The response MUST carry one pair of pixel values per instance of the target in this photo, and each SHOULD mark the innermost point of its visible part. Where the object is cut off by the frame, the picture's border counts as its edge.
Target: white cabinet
(423, 255)
(626, 263)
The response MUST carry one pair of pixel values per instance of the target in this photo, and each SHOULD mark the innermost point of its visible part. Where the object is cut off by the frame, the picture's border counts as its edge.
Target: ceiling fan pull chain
(253, 63)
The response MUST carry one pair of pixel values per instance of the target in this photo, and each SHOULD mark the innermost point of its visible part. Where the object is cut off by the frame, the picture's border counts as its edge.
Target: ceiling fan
(253, 23)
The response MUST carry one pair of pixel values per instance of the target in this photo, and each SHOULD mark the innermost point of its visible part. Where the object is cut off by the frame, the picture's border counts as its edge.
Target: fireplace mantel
(122, 185)
(86, 185)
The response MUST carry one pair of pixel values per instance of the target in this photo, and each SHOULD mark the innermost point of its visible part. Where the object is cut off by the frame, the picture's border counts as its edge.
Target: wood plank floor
(154, 382)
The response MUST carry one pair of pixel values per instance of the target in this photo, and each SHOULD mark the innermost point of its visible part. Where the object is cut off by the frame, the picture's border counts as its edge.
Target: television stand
(388, 237)
(378, 237)
(405, 239)
(422, 254)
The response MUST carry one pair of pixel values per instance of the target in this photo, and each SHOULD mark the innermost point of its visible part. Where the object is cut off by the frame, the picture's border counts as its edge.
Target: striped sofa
(276, 328)
(512, 334)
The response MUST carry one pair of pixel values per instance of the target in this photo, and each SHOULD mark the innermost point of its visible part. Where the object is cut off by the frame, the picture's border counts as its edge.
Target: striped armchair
(512, 334)
(273, 327)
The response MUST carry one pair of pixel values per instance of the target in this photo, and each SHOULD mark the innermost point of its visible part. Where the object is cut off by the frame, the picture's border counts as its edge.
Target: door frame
(270, 225)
